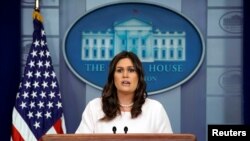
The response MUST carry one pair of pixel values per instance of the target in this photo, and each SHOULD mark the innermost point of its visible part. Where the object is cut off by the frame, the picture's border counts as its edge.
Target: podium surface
(120, 137)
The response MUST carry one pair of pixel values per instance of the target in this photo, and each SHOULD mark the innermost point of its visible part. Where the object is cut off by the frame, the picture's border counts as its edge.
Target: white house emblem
(170, 47)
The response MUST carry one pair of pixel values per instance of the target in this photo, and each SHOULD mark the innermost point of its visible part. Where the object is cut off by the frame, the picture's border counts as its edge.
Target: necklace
(126, 106)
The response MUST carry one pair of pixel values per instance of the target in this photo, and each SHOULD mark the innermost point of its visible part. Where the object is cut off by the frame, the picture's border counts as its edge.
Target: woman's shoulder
(152, 103)
(152, 106)
(95, 101)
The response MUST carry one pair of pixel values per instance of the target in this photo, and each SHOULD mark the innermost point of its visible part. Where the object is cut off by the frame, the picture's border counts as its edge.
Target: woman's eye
(131, 70)
(119, 70)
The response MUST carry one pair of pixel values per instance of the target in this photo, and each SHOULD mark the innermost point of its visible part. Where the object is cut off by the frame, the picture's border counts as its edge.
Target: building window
(103, 53)
(180, 54)
(171, 42)
(171, 53)
(95, 53)
(143, 53)
(95, 42)
(179, 42)
(143, 42)
(133, 41)
(111, 42)
(111, 53)
(103, 42)
(86, 53)
(123, 41)
(163, 53)
(155, 53)
(163, 42)
(155, 42)
(87, 41)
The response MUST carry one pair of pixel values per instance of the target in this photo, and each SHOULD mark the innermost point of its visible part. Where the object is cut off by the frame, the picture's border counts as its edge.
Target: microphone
(114, 129)
(125, 129)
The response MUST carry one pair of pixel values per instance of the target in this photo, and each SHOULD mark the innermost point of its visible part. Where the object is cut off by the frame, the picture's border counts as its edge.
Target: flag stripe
(22, 127)
(16, 135)
(58, 126)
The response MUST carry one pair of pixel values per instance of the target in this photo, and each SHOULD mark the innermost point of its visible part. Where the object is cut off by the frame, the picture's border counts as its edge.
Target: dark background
(10, 46)
(10, 68)
(246, 67)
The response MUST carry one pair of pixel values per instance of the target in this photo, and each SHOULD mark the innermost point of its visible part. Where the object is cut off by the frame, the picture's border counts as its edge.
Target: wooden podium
(119, 137)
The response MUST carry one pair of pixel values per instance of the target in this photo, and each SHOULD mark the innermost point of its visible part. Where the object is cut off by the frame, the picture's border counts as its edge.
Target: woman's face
(125, 77)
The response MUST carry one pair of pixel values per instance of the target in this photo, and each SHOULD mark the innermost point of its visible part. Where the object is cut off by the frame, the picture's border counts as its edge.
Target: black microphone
(114, 129)
(125, 129)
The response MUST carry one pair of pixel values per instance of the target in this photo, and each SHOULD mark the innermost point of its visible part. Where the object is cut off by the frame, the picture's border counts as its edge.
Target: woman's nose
(125, 73)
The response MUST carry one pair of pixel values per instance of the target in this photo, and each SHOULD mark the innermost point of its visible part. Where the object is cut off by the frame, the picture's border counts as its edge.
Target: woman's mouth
(125, 83)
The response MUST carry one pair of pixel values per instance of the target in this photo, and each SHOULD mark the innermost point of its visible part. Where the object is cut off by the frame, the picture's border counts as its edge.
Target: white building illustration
(137, 36)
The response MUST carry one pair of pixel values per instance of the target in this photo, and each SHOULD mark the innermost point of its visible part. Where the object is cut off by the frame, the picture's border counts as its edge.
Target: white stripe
(22, 127)
(63, 124)
(53, 131)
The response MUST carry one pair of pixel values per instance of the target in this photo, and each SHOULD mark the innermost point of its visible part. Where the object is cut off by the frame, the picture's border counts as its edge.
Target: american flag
(38, 108)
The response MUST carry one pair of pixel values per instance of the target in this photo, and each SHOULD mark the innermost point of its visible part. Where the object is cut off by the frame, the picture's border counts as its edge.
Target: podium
(120, 137)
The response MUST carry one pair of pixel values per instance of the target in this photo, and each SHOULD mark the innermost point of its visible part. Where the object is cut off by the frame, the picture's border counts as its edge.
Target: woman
(124, 106)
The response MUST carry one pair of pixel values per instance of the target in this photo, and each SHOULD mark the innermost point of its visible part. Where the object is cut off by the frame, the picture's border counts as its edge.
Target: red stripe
(58, 126)
(16, 136)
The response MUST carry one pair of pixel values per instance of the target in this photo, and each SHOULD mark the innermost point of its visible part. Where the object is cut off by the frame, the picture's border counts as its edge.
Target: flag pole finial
(36, 14)
(36, 4)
